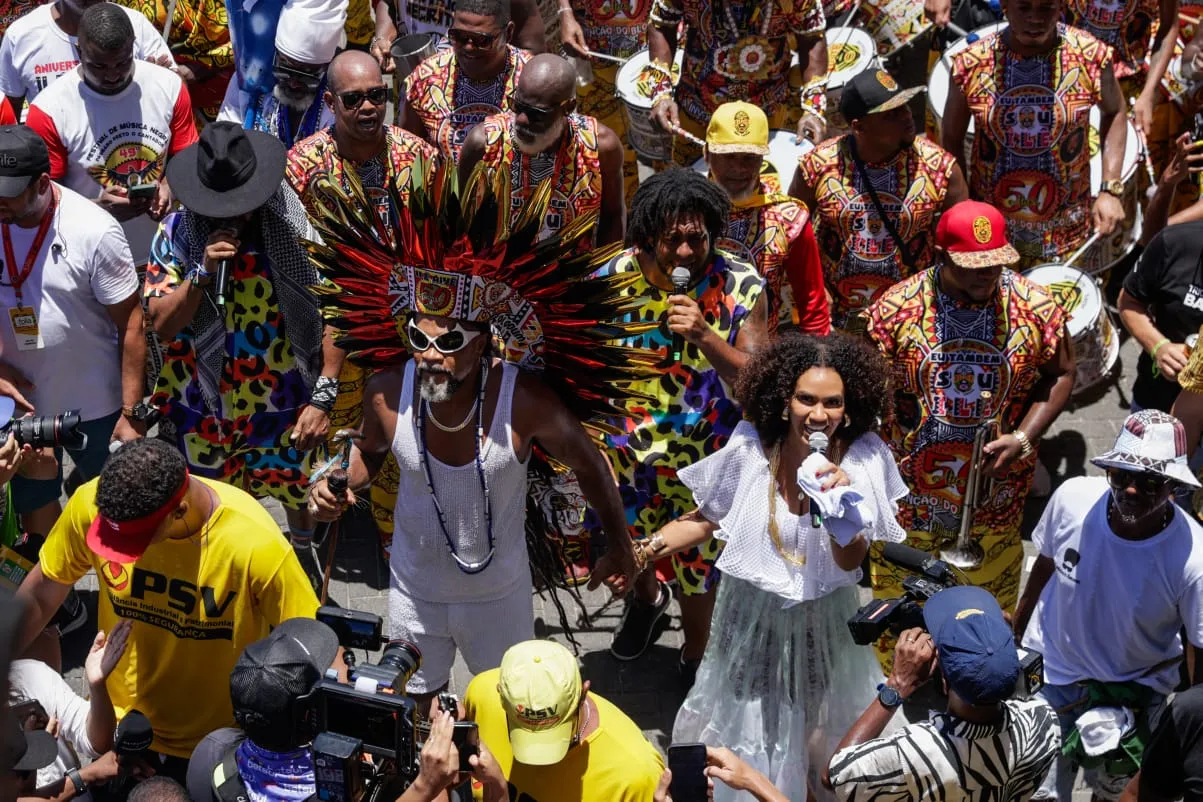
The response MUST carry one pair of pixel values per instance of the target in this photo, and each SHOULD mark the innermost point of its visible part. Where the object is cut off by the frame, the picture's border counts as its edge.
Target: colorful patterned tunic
(955, 367)
(860, 257)
(1031, 154)
(1126, 25)
(736, 51)
(319, 155)
(576, 167)
(772, 232)
(692, 415)
(200, 40)
(247, 443)
(450, 104)
(617, 28)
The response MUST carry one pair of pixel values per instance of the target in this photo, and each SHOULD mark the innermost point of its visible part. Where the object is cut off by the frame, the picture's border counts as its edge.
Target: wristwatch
(77, 781)
(889, 697)
(140, 412)
(1113, 187)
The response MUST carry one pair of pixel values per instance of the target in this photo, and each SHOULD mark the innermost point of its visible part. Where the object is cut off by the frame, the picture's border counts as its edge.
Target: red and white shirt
(98, 141)
(36, 52)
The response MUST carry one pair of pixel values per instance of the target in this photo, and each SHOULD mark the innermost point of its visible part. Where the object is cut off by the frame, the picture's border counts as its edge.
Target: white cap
(310, 31)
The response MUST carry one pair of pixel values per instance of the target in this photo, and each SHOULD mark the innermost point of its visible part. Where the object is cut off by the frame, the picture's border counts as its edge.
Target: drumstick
(851, 28)
(1074, 256)
(1144, 149)
(681, 132)
(1188, 18)
(606, 57)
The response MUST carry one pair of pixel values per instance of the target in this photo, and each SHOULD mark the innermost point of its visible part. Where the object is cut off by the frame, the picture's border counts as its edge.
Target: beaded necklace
(464, 565)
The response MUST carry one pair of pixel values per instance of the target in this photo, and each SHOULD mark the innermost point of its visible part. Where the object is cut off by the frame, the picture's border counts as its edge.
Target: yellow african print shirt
(450, 107)
(860, 257)
(1128, 26)
(1031, 154)
(575, 169)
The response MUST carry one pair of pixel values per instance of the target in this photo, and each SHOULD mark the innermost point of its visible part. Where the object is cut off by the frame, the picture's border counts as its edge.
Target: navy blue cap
(975, 644)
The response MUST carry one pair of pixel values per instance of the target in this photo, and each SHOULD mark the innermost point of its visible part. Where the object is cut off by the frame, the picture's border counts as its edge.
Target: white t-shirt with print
(1113, 608)
(36, 52)
(118, 140)
(84, 265)
(33, 679)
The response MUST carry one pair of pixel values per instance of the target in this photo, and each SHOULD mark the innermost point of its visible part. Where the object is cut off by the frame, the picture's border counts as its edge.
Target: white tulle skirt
(779, 686)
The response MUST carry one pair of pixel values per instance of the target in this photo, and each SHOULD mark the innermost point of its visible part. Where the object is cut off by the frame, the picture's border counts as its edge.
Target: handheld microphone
(223, 278)
(918, 562)
(680, 278)
(132, 739)
(818, 445)
(338, 483)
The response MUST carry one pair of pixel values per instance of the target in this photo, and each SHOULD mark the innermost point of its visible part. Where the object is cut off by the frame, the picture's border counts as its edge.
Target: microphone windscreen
(134, 734)
(819, 442)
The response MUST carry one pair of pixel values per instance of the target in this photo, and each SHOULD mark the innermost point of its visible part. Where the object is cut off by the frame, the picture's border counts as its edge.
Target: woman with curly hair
(781, 680)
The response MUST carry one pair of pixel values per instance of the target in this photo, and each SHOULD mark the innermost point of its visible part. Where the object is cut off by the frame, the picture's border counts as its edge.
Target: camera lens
(402, 656)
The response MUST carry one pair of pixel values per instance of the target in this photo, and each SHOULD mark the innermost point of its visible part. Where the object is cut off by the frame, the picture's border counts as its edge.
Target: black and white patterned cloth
(948, 759)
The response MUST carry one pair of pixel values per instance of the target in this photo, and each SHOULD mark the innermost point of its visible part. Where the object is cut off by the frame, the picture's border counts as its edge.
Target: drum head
(937, 85)
(1073, 290)
(849, 53)
(626, 83)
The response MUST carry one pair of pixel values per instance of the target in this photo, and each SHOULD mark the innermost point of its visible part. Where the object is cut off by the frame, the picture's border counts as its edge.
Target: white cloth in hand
(1101, 728)
(844, 514)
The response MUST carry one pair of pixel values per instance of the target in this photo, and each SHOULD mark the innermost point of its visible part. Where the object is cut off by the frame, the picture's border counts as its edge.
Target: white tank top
(421, 561)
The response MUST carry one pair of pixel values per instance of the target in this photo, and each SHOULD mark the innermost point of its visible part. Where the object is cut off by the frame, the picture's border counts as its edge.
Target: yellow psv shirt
(614, 764)
(196, 603)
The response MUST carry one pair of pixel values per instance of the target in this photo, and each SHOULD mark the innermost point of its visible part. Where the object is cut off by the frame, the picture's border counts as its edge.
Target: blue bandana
(272, 776)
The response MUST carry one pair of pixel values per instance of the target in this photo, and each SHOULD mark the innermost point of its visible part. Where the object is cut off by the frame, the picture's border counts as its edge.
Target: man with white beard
(542, 137)
(307, 38)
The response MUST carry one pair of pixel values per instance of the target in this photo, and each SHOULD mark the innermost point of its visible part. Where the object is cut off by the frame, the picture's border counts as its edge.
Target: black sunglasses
(480, 41)
(1148, 483)
(377, 96)
(536, 114)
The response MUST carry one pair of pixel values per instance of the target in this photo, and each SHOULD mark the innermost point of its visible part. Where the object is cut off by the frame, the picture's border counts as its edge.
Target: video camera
(906, 612)
(371, 715)
(43, 431)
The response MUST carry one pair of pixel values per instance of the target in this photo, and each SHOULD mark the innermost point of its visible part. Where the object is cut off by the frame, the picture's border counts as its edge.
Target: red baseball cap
(125, 541)
(974, 234)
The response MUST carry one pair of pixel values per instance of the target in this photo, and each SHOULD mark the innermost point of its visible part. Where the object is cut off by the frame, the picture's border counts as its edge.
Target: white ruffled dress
(781, 680)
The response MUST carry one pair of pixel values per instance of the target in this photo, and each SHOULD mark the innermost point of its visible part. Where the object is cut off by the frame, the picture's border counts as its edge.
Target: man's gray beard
(295, 102)
(437, 392)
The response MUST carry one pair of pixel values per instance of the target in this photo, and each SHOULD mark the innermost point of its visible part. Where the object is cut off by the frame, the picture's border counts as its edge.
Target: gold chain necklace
(774, 530)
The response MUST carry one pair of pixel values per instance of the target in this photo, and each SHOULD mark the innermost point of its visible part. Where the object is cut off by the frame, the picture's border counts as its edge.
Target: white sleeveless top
(421, 561)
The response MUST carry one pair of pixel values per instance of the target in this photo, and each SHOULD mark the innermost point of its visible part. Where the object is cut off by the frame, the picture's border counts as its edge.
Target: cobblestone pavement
(648, 689)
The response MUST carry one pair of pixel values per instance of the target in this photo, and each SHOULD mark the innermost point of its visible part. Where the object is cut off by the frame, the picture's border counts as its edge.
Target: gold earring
(847, 422)
(785, 414)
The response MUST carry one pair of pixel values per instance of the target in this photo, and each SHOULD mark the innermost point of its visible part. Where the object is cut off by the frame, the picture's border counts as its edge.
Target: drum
(894, 24)
(1104, 254)
(785, 150)
(1095, 341)
(645, 138)
(850, 51)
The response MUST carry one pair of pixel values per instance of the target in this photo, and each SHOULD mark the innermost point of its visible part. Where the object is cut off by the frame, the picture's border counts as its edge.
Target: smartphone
(466, 738)
(142, 191)
(687, 762)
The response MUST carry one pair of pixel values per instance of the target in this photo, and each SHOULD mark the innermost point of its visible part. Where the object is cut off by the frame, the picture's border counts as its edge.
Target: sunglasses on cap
(284, 74)
(536, 114)
(446, 343)
(377, 96)
(459, 36)
(1147, 483)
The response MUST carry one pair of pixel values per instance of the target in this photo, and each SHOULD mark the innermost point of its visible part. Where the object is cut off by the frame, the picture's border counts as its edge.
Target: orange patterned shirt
(450, 104)
(1126, 25)
(318, 155)
(1031, 154)
(614, 27)
(575, 169)
(956, 366)
(860, 257)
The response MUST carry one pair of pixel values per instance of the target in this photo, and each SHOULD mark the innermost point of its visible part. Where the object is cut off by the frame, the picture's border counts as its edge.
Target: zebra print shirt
(948, 759)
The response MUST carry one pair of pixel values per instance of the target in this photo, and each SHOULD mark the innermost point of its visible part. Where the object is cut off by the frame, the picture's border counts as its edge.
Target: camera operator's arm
(439, 766)
(381, 395)
(99, 771)
(1042, 569)
(726, 766)
(10, 458)
(44, 596)
(914, 661)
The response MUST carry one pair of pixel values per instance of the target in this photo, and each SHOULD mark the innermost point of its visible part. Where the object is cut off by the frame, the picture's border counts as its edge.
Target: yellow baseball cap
(738, 127)
(540, 689)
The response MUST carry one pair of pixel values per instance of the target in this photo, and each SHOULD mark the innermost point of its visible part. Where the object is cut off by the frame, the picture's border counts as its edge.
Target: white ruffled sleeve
(872, 470)
(715, 481)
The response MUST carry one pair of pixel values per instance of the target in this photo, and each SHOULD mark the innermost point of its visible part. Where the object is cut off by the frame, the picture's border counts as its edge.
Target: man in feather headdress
(479, 308)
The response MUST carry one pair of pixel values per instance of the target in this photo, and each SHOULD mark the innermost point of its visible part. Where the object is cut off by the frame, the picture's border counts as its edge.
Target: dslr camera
(43, 431)
(369, 716)
(930, 576)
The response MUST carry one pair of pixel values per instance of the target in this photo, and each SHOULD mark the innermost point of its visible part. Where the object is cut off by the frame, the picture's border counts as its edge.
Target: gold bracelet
(1025, 445)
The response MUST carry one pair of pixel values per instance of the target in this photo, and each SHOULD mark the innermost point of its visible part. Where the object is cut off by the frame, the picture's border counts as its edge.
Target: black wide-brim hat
(228, 171)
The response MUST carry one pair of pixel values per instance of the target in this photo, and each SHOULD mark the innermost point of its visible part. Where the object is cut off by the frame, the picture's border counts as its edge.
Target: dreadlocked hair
(671, 195)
